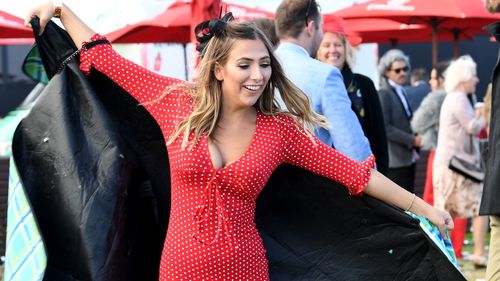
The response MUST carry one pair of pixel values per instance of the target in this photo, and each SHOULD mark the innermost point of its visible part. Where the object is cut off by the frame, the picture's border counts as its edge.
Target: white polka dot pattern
(212, 233)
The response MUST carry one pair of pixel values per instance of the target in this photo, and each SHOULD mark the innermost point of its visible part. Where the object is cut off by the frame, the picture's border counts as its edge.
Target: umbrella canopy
(457, 15)
(173, 25)
(16, 41)
(393, 32)
(13, 27)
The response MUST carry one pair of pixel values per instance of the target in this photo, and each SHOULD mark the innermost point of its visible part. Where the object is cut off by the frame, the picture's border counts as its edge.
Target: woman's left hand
(441, 219)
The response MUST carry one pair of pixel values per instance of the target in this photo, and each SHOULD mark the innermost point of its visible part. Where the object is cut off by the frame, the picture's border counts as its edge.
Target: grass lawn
(467, 267)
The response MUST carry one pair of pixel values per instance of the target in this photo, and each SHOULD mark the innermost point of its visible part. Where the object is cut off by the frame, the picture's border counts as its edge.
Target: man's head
(394, 65)
(418, 75)
(493, 6)
(300, 21)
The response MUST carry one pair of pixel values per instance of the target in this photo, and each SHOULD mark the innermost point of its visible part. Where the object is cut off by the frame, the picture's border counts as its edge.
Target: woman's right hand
(44, 12)
(441, 219)
(77, 29)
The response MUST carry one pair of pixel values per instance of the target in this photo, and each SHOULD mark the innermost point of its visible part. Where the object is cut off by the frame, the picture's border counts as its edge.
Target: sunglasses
(398, 70)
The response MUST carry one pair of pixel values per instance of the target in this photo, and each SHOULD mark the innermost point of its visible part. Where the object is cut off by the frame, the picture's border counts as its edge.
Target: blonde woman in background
(458, 124)
(335, 49)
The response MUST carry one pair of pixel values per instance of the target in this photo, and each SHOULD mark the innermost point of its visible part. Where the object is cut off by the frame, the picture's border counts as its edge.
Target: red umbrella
(13, 27)
(173, 25)
(457, 15)
(17, 41)
(394, 32)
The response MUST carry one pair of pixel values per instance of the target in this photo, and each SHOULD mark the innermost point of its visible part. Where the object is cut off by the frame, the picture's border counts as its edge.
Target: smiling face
(332, 50)
(245, 74)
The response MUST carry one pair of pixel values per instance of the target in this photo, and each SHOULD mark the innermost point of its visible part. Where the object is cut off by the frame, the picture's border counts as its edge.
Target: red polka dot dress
(212, 233)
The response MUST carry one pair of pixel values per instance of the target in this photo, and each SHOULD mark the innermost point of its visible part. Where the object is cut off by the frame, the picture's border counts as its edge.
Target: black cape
(95, 169)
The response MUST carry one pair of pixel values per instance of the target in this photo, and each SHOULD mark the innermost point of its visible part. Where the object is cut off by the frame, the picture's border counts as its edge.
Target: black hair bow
(207, 29)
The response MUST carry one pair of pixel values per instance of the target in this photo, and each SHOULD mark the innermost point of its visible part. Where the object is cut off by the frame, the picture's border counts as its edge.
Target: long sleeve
(309, 153)
(425, 121)
(345, 129)
(464, 113)
(144, 85)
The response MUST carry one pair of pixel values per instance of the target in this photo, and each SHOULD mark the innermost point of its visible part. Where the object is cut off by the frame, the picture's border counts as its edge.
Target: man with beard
(393, 69)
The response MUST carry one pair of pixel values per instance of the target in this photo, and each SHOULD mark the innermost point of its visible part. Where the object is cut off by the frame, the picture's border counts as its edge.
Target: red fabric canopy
(450, 13)
(457, 15)
(173, 25)
(13, 27)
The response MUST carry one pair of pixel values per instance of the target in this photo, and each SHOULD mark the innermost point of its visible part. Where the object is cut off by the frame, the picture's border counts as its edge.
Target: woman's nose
(256, 73)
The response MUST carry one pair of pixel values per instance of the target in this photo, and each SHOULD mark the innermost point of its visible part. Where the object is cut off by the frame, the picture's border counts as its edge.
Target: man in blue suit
(299, 26)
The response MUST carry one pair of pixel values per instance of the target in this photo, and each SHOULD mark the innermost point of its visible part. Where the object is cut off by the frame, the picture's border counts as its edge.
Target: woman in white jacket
(458, 124)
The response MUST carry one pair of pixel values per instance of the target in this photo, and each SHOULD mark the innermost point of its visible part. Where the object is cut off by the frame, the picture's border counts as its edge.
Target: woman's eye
(243, 66)
(265, 64)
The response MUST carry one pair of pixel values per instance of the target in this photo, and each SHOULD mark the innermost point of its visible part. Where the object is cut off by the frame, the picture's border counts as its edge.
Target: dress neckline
(243, 155)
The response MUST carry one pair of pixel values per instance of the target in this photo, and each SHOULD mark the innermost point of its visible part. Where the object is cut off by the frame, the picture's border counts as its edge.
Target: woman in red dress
(225, 136)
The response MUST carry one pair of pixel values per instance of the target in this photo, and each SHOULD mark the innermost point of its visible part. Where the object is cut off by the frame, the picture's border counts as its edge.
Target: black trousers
(403, 176)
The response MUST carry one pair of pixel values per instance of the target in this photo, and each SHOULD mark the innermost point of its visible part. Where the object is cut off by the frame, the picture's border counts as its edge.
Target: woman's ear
(218, 72)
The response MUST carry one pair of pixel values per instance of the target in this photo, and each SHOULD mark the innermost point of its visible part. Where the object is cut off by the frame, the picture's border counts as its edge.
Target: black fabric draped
(95, 169)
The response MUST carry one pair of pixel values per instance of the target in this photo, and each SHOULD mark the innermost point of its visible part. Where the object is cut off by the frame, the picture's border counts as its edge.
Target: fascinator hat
(210, 28)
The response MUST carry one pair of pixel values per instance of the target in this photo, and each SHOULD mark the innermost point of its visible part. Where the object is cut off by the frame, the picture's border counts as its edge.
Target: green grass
(467, 268)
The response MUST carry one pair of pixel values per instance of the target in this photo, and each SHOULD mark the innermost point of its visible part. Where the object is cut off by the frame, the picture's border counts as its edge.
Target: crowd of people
(283, 91)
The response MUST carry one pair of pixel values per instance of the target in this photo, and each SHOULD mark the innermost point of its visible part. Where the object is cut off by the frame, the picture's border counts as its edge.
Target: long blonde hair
(207, 91)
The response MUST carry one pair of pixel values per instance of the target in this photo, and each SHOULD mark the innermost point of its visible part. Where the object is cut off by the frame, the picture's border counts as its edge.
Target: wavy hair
(386, 61)
(207, 90)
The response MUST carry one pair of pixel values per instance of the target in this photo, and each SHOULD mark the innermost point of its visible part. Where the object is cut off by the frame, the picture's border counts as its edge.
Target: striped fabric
(433, 233)
(25, 257)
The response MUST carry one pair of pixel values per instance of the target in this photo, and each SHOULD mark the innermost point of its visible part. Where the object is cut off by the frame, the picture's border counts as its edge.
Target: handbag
(465, 168)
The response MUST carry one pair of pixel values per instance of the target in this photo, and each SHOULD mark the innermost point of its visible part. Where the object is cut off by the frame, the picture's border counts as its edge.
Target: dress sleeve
(147, 87)
(309, 153)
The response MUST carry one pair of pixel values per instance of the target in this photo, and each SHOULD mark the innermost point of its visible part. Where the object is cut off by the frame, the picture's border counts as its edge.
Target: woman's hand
(441, 219)
(44, 12)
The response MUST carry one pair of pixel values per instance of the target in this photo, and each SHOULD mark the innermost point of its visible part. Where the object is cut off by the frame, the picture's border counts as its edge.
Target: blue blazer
(324, 85)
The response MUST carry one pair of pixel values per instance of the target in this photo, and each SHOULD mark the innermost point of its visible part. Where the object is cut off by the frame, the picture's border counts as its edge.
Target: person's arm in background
(378, 140)
(394, 134)
(463, 111)
(345, 130)
(425, 116)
